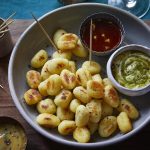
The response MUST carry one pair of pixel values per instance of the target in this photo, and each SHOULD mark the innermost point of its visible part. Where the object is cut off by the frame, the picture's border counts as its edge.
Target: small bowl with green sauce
(128, 68)
(12, 134)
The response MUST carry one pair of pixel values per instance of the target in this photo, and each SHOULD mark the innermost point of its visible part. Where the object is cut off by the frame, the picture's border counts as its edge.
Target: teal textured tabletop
(38, 7)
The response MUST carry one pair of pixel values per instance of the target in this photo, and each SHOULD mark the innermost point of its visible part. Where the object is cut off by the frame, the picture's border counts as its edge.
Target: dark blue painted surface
(38, 7)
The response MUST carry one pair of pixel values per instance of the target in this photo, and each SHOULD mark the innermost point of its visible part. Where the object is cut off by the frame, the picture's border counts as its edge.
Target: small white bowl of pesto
(128, 68)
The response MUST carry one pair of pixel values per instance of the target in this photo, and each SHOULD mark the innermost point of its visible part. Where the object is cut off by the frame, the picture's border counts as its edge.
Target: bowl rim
(25, 115)
(117, 22)
(122, 49)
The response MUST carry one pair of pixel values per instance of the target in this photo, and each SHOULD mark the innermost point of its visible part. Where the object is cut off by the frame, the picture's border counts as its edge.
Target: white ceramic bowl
(124, 90)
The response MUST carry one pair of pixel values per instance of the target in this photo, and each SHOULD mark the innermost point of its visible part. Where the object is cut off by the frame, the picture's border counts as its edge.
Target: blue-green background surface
(38, 7)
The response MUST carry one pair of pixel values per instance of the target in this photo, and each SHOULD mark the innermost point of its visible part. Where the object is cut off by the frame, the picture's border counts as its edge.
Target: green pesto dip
(132, 69)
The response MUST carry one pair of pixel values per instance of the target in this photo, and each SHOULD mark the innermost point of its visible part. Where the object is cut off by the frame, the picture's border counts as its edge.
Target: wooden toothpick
(91, 32)
(7, 19)
(44, 31)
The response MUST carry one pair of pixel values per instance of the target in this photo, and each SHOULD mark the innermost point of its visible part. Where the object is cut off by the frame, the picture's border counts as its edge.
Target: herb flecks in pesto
(132, 69)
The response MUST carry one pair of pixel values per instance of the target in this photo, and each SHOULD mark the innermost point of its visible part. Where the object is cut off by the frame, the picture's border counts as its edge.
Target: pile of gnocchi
(76, 101)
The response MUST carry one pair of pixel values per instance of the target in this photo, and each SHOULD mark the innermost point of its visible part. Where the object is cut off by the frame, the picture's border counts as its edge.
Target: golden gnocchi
(67, 41)
(33, 79)
(32, 97)
(83, 76)
(107, 126)
(63, 98)
(54, 84)
(81, 94)
(48, 120)
(81, 116)
(46, 106)
(39, 59)
(92, 66)
(66, 127)
(68, 79)
(59, 54)
(74, 104)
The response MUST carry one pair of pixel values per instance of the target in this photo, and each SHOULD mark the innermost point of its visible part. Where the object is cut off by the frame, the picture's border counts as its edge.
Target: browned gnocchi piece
(83, 76)
(46, 106)
(67, 41)
(92, 66)
(81, 116)
(59, 54)
(58, 34)
(64, 114)
(39, 59)
(81, 94)
(95, 89)
(97, 78)
(74, 104)
(63, 98)
(33, 79)
(111, 96)
(72, 66)
(66, 127)
(124, 123)
(129, 108)
(54, 84)
(79, 50)
(55, 66)
(43, 88)
(32, 97)
(68, 79)
(45, 74)
(81, 134)
(95, 110)
(106, 82)
(48, 120)
(107, 126)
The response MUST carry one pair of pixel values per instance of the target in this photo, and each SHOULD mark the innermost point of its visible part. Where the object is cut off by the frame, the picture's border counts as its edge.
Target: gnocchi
(58, 34)
(68, 79)
(55, 66)
(46, 106)
(39, 59)
(107, 126)
(33, 79)
(81, 94)
(32, 97)
(43, 88)
(48, 120)
(64, 114)
(81, 134)
(67, 42)
(59, 54)
(92, 66)
(129, 108)
(111, 96)
(66, 127)
(54, 84)
(63, 99)
(97, 78)
(81, 116)
(124, 123)
(72, 66)
(95, 110)
(79, 50)
(74, 104)
(95, 89)
(93, 127)
(83, 76)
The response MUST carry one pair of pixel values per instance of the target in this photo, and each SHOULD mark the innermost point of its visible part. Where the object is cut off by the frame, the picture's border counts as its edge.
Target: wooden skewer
(7, 19)
(4, 31)
(6, 25)
(45, 33)
(91, 32)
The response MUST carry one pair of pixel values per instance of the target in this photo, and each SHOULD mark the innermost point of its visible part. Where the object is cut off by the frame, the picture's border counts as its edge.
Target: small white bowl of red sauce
(107, 33)
(128, 68)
